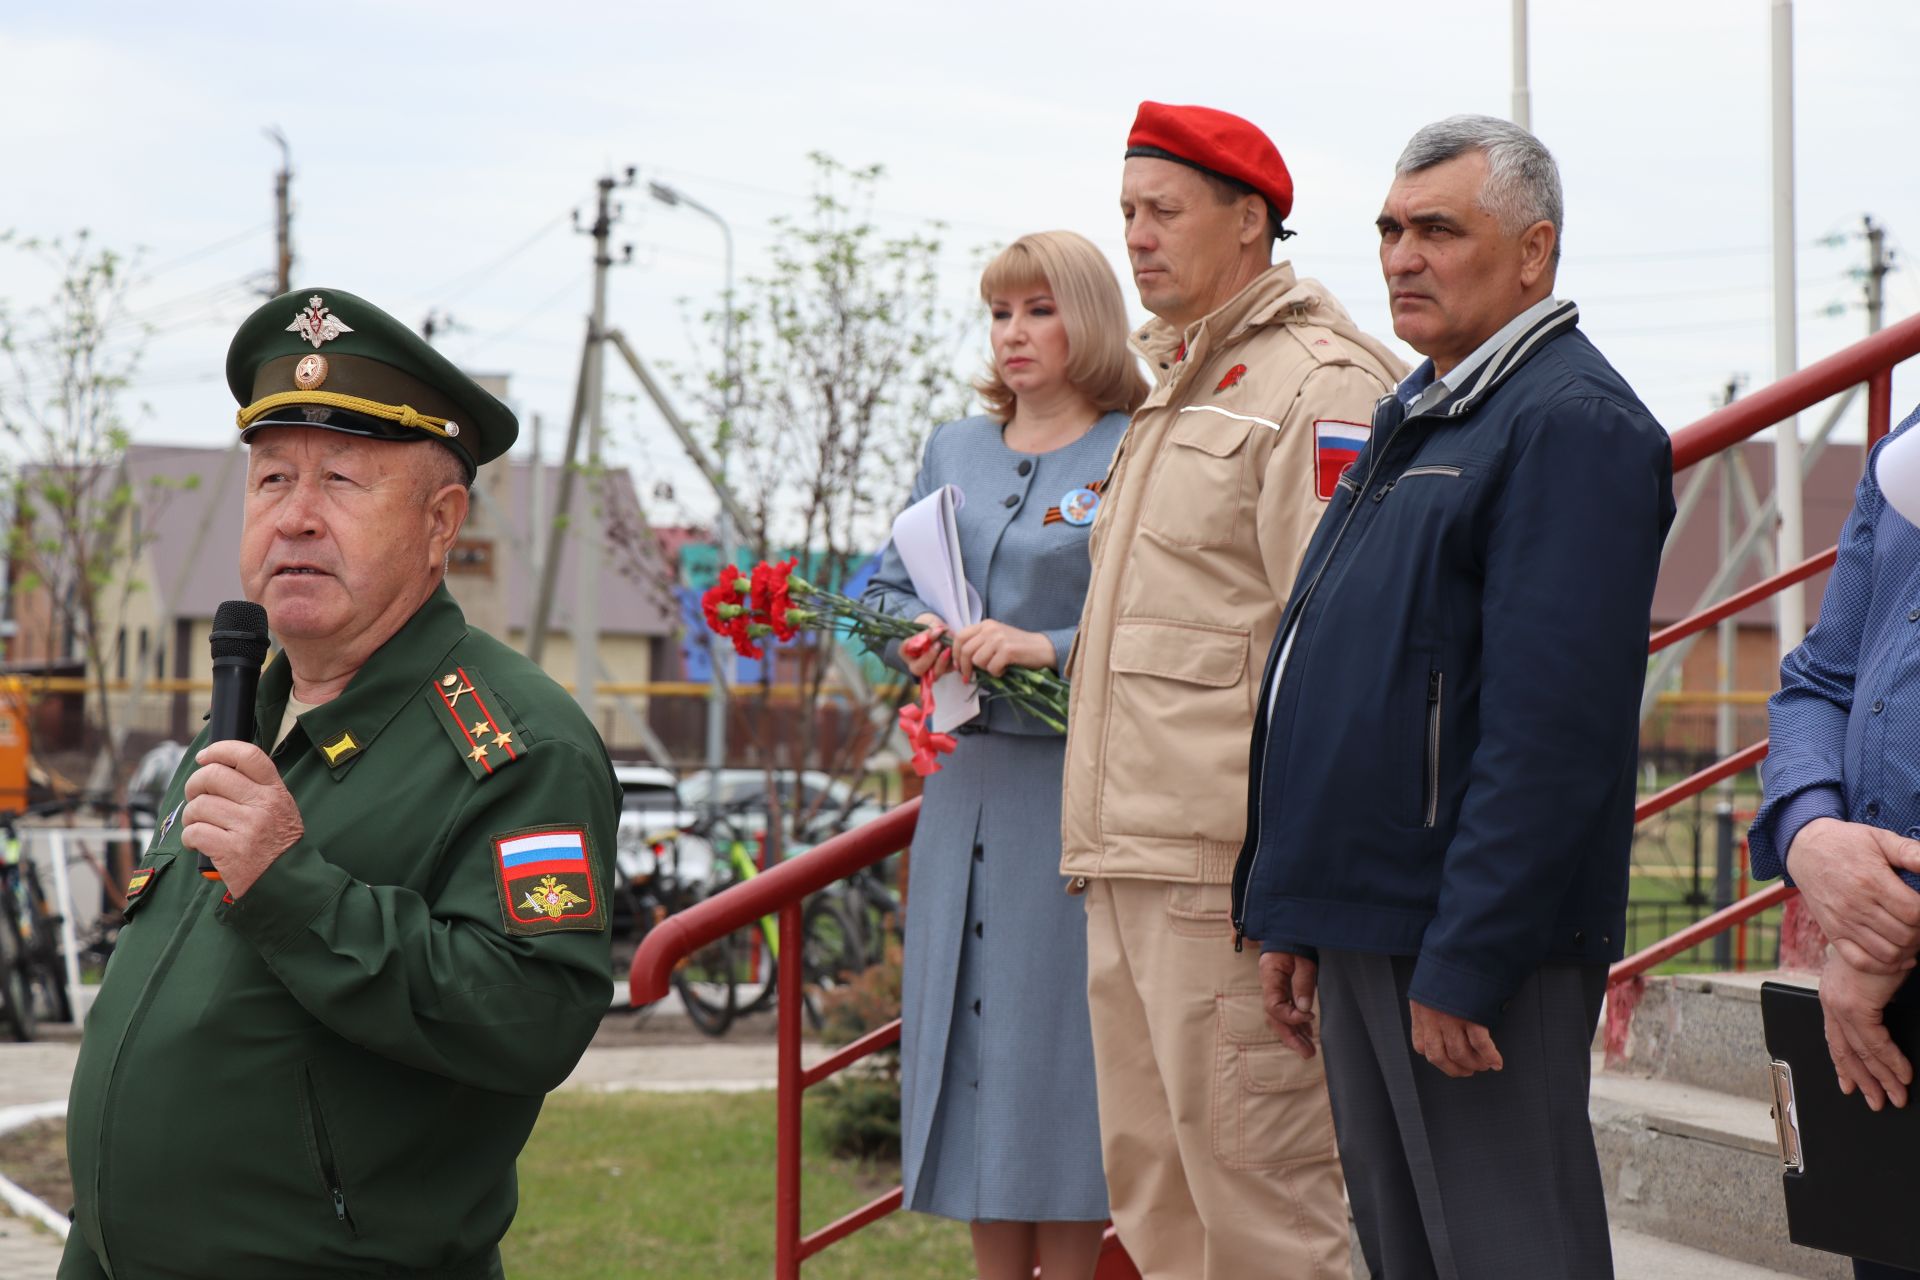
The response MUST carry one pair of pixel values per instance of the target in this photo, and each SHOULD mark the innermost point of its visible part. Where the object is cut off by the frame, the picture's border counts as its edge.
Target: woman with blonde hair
(999, 1126)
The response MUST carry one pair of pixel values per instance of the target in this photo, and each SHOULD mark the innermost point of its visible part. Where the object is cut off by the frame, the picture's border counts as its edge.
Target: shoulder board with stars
(486, 737)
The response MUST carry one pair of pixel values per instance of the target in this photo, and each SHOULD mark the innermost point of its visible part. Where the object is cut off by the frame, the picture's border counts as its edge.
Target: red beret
(1217, 142)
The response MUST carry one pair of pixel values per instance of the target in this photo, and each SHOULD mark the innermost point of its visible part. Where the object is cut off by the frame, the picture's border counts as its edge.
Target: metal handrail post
(786, 1265)
(1879, 405)
(69, 940)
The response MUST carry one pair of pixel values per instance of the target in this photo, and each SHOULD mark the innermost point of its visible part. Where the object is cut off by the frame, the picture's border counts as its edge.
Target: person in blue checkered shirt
(1841, 815)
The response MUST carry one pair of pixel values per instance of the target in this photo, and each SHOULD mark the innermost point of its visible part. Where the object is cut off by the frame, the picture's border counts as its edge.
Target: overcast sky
(438, 149)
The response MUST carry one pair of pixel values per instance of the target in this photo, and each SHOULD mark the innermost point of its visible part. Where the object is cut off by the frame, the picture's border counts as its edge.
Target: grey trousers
(1485, 1178)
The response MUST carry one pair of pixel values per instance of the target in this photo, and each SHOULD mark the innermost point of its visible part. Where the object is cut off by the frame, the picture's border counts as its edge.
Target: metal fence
(84, 868)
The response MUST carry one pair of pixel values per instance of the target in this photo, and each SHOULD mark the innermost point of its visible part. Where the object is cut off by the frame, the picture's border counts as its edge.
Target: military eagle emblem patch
(546, 882)
(318, 324)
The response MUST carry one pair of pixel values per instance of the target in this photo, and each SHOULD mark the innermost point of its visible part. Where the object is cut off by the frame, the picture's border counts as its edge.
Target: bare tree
(847, 356)
(75, 532)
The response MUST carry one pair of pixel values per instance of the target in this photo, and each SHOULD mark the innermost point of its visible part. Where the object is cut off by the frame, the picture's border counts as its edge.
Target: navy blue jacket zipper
(1262, 728)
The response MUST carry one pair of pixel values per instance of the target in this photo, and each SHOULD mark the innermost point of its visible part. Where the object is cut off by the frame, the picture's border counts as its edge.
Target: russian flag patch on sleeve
(1336, 445)
(545, 876)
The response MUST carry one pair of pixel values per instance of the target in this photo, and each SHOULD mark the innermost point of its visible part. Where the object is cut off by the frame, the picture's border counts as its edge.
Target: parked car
(653, 818)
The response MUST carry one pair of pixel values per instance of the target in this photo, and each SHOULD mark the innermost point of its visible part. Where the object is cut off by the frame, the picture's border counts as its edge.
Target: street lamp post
(719, 648)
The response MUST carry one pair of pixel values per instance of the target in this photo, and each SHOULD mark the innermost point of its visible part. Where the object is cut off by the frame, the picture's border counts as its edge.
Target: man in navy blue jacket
(1441, 807)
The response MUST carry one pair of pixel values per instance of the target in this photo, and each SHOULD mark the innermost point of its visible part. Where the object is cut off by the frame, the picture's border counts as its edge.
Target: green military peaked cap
(326, 358)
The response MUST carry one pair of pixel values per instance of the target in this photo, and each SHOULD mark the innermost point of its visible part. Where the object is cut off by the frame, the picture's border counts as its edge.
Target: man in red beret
(1218, 1141)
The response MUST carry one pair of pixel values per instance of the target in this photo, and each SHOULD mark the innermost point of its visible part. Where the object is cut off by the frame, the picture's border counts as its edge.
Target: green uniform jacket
(334, 1074)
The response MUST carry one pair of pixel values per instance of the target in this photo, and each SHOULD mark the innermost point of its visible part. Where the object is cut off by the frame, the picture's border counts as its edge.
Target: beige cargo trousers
(1217, 1139)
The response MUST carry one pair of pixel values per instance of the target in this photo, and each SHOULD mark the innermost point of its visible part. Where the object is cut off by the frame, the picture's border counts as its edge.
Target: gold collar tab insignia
(340, 750)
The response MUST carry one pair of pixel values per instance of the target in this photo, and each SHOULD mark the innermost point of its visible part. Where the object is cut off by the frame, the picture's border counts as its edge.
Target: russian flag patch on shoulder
(545, 876)
(1336, 444)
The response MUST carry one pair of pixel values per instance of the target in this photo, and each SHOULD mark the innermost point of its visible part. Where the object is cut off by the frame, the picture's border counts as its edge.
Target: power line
(538, 309)
(1671, 294)
(226, 242)
(1702, 326)
(198, 298)
(463, 283)
(805, 197)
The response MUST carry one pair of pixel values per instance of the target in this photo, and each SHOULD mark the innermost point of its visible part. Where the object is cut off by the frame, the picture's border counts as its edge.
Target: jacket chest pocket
(1431, 507)
(1201, 487)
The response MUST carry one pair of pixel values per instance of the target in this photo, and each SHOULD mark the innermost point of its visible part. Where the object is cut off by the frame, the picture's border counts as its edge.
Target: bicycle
(876, 912)
(33, 980)
(709, 981)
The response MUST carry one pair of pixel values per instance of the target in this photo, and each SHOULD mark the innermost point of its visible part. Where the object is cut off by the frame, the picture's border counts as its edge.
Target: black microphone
(239, 643)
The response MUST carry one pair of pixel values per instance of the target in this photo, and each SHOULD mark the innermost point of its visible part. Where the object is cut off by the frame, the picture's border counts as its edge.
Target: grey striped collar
(1502, 363)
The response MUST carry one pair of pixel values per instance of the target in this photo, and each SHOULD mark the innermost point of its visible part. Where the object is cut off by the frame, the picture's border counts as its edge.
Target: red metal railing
(1872, 362)
(782, 889)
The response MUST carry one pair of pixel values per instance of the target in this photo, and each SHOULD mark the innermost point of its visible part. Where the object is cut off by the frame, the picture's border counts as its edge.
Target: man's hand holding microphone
(238, 815)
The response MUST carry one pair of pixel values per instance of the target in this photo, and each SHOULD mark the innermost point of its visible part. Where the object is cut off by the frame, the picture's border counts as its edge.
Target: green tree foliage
(74, 521)
(846, 355)
(846, 358)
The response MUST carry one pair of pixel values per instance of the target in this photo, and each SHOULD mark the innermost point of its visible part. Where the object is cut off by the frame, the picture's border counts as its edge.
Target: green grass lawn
(1644, 927)
(1666, 849)
(681, 1187)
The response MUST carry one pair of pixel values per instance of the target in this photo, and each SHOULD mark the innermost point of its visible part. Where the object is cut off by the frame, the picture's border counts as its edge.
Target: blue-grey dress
(998, 1113)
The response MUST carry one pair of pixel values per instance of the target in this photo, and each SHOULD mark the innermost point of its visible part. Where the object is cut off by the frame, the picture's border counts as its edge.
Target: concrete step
(1704, 1029)
(1698, 1167)
(1644, 1257)
(1638, 1257)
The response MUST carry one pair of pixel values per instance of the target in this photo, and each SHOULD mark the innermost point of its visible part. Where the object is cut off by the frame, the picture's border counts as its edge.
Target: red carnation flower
(724, 591)
(916, 721)
(773, 595)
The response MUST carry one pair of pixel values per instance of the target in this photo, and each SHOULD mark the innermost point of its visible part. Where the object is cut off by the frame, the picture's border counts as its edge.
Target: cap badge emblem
(318, 324)
(310, 372)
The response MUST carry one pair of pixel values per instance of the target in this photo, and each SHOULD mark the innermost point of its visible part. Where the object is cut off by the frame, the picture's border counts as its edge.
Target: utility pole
(719, 651)
(1792, 608)
(1522, 99)
(562, 504)
(539, 536)
(587, 583)
(1879, 262)
(282, 216)
(586, 405)
(1724, 726)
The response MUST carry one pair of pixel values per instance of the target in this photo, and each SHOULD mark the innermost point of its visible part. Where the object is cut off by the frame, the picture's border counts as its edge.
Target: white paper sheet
(1898, 471)
(927, 536)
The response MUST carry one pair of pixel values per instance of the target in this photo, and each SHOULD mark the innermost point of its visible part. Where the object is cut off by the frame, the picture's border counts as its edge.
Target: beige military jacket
(1204, 515)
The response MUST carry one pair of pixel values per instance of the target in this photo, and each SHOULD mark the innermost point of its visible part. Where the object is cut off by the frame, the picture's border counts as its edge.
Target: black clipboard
(1851, 1175)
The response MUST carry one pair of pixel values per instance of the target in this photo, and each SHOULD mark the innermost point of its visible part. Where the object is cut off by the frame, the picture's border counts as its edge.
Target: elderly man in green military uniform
(326, 1064)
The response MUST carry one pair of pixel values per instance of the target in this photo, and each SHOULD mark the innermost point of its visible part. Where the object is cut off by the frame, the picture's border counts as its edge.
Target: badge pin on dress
(1078, 507)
